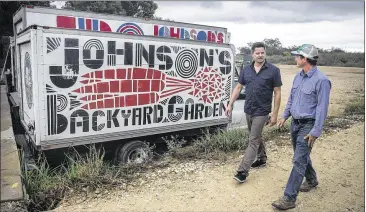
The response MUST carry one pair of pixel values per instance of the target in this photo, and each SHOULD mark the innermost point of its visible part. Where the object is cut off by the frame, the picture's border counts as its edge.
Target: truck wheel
(133, 152)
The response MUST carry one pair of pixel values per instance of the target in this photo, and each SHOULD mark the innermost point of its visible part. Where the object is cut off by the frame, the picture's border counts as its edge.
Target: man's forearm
(234, 96)
(277, 103)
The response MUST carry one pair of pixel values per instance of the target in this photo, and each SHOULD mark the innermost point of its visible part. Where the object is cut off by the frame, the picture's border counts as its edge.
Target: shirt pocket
(294, 89)
(307, 95)
(263, 88)
(248, 78)
(265, 80)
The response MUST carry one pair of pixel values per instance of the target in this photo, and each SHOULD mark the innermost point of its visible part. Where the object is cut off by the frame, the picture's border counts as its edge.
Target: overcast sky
(324, 24)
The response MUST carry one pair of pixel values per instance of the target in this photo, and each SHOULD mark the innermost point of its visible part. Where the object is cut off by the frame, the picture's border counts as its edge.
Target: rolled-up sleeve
(323, 91)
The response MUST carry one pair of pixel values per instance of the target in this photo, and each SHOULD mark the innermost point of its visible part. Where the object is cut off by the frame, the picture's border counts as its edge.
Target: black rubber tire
(125, 153)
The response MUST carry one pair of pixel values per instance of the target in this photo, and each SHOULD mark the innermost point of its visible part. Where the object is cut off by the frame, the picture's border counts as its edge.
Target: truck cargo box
(72, 19)
(80, 87)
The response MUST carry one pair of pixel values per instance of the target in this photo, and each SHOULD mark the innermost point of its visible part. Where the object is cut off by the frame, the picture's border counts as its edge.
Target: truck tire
(133, 152)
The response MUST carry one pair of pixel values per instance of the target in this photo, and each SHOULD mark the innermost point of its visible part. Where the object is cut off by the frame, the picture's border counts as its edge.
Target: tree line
(278, 54)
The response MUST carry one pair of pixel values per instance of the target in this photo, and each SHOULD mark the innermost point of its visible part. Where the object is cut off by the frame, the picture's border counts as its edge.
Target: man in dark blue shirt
(308, 105)
(261, 79)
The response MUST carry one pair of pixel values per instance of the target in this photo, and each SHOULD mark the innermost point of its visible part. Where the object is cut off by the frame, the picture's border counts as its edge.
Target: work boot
(284, 203)
(240, 177)
(259, 163)
(307, 186)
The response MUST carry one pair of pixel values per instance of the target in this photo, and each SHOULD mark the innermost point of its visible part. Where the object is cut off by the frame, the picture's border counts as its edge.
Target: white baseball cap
(308, 51)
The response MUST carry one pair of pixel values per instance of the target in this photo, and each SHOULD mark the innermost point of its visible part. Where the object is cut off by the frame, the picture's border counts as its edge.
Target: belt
(303, 121)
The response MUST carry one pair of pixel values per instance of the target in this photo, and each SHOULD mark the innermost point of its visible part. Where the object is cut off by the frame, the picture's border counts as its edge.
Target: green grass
(86, 170)
(44, 186)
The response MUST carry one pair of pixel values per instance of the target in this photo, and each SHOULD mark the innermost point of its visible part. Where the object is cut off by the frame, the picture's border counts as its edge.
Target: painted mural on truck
(127, 27)
(108, 85)
(138, 29)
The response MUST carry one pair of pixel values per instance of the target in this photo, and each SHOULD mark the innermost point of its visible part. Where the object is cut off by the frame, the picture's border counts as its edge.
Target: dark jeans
(302, 166)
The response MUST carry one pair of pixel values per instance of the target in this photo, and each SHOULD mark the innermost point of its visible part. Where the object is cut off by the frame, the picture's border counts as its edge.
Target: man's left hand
(311, 139)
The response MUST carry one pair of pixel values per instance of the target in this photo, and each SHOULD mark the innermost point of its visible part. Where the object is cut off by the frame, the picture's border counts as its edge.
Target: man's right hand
(228, 110)
(281, 122)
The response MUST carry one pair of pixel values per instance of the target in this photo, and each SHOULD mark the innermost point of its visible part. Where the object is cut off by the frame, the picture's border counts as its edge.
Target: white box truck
(73, 87)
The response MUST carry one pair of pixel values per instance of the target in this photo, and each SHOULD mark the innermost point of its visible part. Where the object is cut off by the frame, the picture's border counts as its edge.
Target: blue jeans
(302, 166)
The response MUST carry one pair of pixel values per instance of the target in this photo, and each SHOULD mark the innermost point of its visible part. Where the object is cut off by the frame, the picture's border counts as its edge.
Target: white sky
(324, 24)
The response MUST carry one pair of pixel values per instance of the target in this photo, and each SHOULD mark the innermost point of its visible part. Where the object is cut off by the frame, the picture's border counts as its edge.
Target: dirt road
(200, 186)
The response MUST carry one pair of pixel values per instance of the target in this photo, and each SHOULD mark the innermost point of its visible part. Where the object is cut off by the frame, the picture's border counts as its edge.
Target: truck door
(27, 85)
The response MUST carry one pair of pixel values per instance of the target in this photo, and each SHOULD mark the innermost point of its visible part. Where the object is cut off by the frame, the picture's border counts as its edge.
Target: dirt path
(338, 159)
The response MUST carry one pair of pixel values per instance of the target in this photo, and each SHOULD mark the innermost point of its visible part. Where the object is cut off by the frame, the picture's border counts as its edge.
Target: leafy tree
(244, 50)
(143, 9)
(286, 54)
(338, 50)
(8, 9)
(274, 46)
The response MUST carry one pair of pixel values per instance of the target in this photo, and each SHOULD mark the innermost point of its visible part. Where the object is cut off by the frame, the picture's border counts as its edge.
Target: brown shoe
(307, 186)
(284, 204)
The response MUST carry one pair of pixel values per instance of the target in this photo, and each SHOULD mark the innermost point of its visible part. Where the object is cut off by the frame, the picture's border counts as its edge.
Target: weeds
(86, 170)
(174, 143)
(224, 141)
(354, 112)
(356, 107)
(46, 186)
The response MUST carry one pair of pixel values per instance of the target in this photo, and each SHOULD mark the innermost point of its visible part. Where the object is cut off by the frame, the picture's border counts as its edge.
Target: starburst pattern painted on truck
(208, 85)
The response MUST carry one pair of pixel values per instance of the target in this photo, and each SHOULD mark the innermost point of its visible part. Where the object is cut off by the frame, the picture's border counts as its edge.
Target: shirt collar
(265, 65)
(310, 73)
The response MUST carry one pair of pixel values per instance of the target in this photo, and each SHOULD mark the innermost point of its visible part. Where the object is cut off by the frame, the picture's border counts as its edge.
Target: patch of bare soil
(203, 186)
